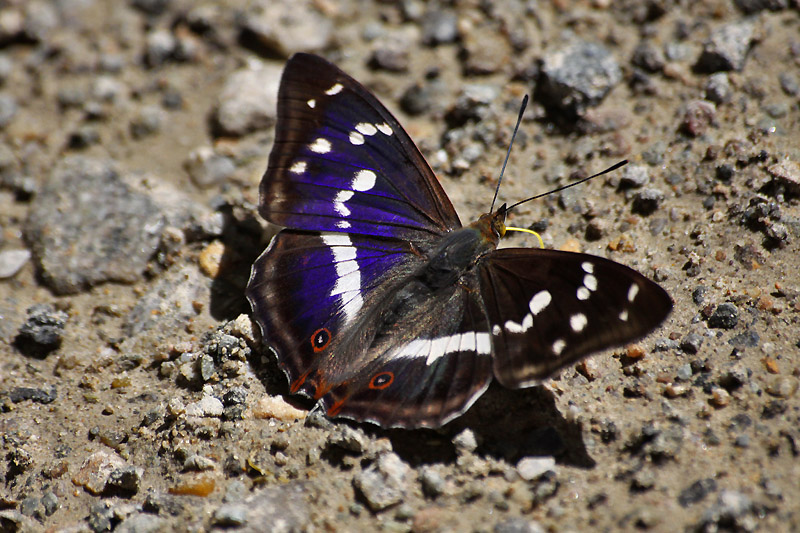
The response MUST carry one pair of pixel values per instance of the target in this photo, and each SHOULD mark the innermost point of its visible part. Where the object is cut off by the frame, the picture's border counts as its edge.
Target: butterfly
(379, 304)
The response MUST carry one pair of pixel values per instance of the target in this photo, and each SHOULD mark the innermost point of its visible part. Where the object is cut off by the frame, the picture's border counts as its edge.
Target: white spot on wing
(320, 146)
(539, 301)
(364, 180)
(513, 327)
(348, 275)
(356, 138)
(624, 315)
(366, 128)
(496, 330)
(632, 292)
(583, 293)
(384, 128)
(312, 103)
(343, 224)
(577, 322)
(559, 346)
(339, 200)
(298, 168)
(336, 89)
(483, 343)
(587, 267)
(590, 282)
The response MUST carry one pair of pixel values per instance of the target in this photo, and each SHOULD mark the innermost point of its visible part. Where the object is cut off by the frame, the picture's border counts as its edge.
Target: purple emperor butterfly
(379, 303)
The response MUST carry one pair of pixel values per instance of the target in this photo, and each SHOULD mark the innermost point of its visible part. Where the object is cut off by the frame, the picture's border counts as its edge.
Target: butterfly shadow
(244, 239)
(508, 425)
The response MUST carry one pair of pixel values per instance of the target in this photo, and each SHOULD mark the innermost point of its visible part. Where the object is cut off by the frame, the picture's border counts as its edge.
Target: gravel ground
(135, 394)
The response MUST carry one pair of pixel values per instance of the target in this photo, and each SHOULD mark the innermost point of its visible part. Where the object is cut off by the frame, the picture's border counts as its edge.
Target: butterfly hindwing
(342, 163)
(309, 289)
(549, 308)
(428, 367)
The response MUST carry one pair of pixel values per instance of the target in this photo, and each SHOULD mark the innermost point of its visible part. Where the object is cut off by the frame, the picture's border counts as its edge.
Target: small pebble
(530, 468)
(720, 397)
(12, 261)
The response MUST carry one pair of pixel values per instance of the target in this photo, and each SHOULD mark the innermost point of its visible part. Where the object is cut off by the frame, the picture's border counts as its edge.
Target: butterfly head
(492, 226)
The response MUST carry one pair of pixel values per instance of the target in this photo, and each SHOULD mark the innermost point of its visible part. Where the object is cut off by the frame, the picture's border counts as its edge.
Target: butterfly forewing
(308, 290)
(341, 162)
(549, 308)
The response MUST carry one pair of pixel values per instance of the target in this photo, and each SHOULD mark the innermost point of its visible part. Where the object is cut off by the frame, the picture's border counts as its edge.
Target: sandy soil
(136, 396)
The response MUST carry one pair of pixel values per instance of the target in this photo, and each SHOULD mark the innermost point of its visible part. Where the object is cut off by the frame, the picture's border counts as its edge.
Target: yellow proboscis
(524, 230)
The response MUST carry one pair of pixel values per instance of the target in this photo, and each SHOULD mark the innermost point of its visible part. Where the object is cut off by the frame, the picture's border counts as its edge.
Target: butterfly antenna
(612, 168)
(513, 136)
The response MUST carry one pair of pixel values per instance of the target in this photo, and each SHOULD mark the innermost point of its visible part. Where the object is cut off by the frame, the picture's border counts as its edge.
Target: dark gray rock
(87, 226)
(126, 479)
(697, 491)
(21, 394)
(280, 509)
(691, 343)
(727, 47)
(754, 6)
(647, 201)
(577, 76)
(725, 316)
(41, 333)
(518, 524)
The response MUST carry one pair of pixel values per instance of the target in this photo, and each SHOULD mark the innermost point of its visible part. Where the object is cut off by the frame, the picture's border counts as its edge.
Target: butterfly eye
(320, 339)
(381, 381)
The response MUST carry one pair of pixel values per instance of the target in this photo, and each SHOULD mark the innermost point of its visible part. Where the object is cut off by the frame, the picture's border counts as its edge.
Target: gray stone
(385, 483)
(439, 27)
(230, 515)
(691, 343)
(465, 442)
(87, 226)
(41, 333)
(518, 524)
(697, 491)
(127, 478)
(280, 509)
(577, 76)
(733, 511)
(634, 176)
(647, 201)
(160, 47)
(754, 6)
(433, 484)
(349, 439)
(8, 109)
(288, 26)
(648, 57)
(207, 168)
(530, 468)
(206, 406)
(148, 120)
(12, 261)
(249, 99)
(141, 523)
(727, 47)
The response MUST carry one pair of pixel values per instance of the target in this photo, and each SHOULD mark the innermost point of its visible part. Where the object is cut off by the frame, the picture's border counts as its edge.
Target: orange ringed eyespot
(321, 339)
(381, 381)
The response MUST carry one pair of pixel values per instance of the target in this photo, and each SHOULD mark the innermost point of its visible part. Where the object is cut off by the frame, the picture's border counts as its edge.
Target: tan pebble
(199, 486)
(571, 245)
(210, 259)
(276, 407)
(782, 387)
(720, 397)
(673, 391)
(589, 369)
(634, 351)
(771, 365)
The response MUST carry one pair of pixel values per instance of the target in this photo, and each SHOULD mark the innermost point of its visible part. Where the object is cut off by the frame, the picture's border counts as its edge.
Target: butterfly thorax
(460, 249)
